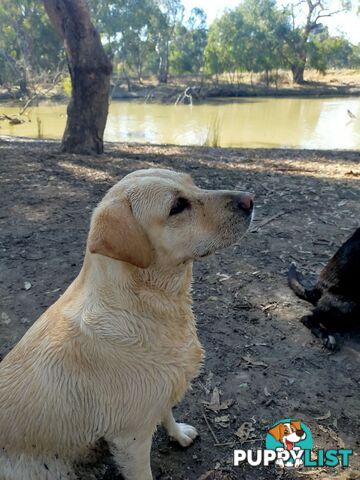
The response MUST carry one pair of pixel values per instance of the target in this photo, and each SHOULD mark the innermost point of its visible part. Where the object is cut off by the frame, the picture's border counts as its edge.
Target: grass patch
(213, 135)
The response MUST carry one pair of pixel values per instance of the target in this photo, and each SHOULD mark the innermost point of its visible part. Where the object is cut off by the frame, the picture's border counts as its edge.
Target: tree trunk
(298, 73)
(90, 70)
(164, 63)
(23, 83)
(267, 78)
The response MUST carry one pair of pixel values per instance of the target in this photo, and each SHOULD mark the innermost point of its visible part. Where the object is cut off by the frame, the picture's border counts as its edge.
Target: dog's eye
(179, 206)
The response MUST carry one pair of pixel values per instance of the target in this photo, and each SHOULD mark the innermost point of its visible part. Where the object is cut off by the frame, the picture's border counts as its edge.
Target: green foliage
(267, 25)
(354, 59)
(28, 43)
(137, 33)
(148, 37)
(226, 49)
(251, 38)
(308, 41)
(260, 36)
(330, 52)
(188, 44)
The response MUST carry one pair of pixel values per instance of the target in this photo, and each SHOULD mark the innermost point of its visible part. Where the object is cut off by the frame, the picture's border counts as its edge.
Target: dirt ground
(264, 363)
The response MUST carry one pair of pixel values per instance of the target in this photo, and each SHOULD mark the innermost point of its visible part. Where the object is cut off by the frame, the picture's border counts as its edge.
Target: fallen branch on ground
(268, 220)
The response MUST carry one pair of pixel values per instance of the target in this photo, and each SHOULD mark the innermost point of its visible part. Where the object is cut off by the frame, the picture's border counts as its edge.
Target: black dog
(336, 294)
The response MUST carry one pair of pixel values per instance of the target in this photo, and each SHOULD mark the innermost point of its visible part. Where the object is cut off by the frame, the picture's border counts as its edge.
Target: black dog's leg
(314, 323)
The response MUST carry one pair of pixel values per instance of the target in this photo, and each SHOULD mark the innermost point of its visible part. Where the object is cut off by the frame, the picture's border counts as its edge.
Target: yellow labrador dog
(118, 350)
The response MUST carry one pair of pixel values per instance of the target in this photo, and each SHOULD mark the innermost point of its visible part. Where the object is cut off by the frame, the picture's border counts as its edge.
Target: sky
(345, 23)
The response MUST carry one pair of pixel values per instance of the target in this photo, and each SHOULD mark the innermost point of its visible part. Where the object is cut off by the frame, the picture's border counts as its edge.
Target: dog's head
(161, 216)
(288, 433)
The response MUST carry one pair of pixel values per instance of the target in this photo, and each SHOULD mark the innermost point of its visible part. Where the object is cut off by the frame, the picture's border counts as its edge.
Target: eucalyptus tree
(188, 44)
(168, 14)
(249, 38)
(326, 52)
(90, 70)
(228, 44)
(28, 44)
(128, 31)
(266, 25)
(138, 32)
(300, 33)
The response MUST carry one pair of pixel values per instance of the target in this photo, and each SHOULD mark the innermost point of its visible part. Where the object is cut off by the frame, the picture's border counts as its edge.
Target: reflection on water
(247, 122)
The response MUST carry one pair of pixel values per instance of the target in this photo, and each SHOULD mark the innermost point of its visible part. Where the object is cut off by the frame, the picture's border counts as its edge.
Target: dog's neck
(103, 272)
(163, 279)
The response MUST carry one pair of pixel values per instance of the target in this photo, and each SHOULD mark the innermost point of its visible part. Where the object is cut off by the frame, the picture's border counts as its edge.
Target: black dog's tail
(311, 295)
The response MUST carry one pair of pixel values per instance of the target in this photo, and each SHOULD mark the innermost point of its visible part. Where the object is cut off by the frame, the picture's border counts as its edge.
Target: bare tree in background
(90, 71)
(299, 41)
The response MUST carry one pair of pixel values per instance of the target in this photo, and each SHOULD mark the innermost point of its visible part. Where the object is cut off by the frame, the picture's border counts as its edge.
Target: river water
(321, 123)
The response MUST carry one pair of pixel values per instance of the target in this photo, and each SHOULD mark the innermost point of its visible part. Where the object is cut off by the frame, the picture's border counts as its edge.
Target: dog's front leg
(132, 456)
(181, 432)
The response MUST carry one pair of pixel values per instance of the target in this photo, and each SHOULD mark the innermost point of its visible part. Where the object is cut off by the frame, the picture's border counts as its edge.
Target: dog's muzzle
(243, 202)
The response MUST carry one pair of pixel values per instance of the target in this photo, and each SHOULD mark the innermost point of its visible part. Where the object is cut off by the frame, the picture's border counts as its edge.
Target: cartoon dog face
(288, 433)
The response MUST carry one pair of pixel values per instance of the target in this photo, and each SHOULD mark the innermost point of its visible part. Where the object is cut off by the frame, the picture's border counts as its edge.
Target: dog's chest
(186, 361)
(177, 354)
(149, 365)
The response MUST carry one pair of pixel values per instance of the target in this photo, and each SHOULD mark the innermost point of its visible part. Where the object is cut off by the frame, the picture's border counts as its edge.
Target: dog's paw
(184, 434)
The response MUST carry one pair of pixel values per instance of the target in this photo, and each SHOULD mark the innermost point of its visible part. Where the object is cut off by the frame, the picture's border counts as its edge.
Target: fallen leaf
(215, 397)
(209, 380)
(215, 404)
(223, 420)
(245, 431)
(226, 404)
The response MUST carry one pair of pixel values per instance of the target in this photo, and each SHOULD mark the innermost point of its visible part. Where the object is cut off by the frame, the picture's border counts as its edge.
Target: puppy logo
(289, 437)
(288, 433)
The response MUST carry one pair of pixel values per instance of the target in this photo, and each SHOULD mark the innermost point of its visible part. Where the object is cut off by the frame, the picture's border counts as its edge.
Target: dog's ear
(277, 432)
(115, 233)
(296, 424)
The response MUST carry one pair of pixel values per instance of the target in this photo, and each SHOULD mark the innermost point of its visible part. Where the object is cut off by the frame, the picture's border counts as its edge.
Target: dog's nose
(300, 433)
(244, 201)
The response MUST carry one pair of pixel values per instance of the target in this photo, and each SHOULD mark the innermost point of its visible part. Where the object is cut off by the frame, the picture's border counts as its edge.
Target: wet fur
(336, 294)
(119, 348)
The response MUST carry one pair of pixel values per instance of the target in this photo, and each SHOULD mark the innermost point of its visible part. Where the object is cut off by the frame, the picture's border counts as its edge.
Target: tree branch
(330, 14)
